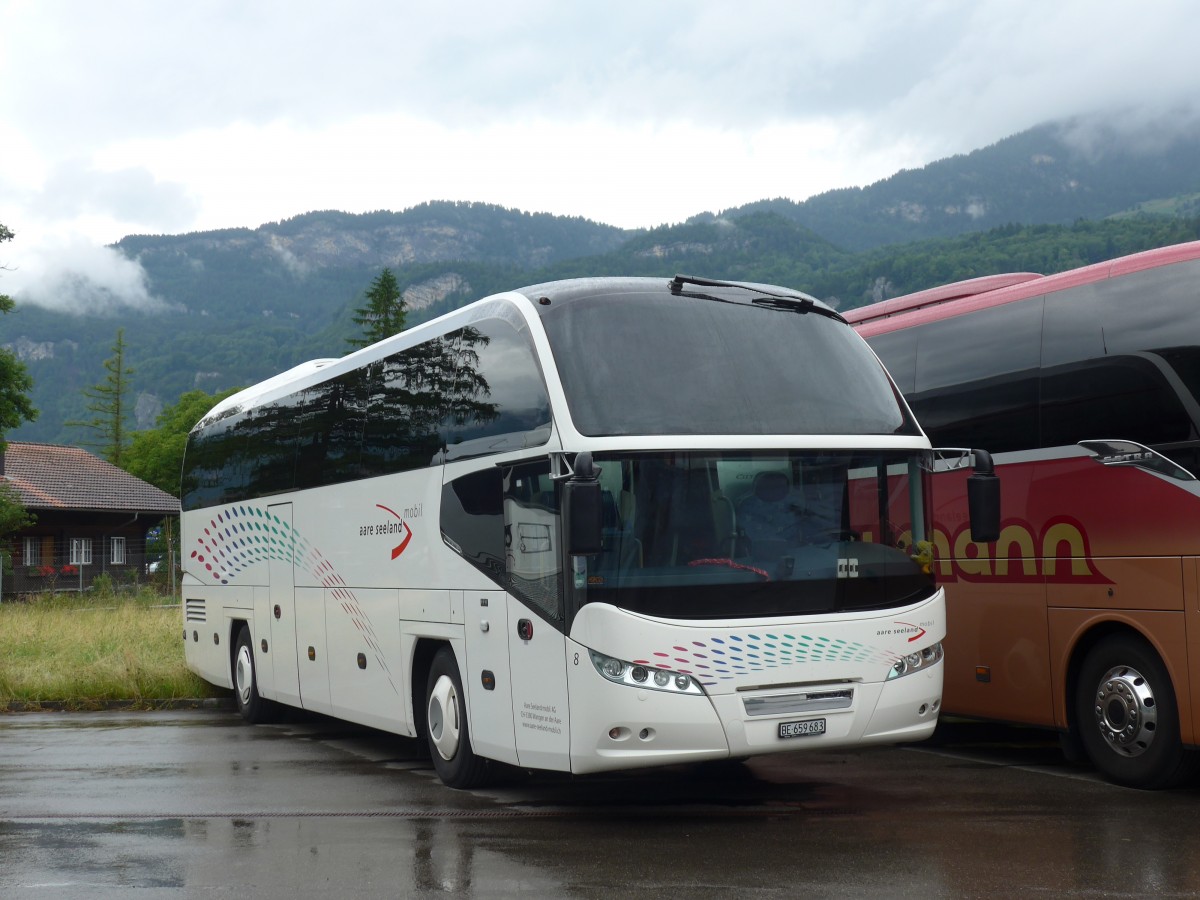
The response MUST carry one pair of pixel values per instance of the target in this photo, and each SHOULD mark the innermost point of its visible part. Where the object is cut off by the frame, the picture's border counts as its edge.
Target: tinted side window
(496, 399)
(209, 477)
(267, 448)
(405, 409)
(474, 391)
(533, 555)
(506, 523)
(473, 519)
(1121, 360)
(898, 351)
(1125, 397)
(977, 378)
(331, 419)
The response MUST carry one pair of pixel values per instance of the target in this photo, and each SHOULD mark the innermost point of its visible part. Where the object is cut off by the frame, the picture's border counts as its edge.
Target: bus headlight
(613, 669)
(618, 671)
(914, 662)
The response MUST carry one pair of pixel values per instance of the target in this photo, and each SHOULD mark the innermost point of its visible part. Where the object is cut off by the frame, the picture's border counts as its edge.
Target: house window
(33, 551)
(81, 551)
(118, 551)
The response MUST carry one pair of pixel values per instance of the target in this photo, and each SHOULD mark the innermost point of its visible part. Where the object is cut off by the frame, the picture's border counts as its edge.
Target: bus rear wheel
(254, 708)
(1127, 718)
(446, 726)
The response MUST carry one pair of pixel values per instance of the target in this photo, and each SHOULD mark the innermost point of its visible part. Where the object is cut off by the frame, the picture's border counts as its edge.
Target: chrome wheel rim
(1126, 712)
(444, 725)
(243, 674)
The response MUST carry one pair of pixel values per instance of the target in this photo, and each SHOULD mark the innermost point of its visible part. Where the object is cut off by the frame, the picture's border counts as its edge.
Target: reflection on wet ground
(197, 804)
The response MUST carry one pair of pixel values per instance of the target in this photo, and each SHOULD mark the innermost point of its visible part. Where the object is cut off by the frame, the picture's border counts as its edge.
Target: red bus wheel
(1127, 717)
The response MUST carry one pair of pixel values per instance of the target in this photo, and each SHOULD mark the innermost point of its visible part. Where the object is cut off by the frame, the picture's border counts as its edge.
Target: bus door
(282, 612)
(486, 676)
(537, 645)
(538, 666)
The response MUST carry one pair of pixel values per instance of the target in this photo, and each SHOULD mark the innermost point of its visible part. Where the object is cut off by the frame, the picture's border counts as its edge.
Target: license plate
(805, 728)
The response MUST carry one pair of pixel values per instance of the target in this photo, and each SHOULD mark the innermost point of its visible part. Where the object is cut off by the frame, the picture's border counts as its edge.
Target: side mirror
(983, 499)
(582, 509)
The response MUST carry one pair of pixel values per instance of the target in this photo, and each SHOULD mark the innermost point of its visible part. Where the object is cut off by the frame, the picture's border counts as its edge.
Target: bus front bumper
(653, 728)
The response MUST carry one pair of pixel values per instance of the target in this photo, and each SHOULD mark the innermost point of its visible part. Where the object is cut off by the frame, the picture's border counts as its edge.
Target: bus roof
(933, 296)
(995, 290)
(247, 396)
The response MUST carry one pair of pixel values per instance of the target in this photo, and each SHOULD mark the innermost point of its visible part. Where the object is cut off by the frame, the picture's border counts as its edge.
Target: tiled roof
(48, 476)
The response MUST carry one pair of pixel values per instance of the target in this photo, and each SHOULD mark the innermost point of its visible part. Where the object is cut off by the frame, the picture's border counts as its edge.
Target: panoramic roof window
(650, 362)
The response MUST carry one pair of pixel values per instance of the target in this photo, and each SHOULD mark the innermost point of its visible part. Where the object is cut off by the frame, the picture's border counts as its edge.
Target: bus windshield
(702, 534)
(697, 366)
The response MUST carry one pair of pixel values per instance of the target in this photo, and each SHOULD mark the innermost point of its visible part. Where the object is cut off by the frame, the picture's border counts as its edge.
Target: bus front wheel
(254, 709)
(446, 726)
(1127, 717)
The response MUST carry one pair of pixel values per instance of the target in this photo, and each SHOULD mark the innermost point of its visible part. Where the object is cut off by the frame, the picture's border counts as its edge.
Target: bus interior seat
(610, 517)
(693, 529)
(627, 505)
(768, 510)
(619, 547)
(724, 524)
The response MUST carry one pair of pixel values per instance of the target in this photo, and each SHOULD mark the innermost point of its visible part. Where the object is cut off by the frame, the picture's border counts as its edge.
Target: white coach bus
(588, 525)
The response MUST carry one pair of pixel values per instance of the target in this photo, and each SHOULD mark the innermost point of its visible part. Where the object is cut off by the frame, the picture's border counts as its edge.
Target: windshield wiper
(769, 299)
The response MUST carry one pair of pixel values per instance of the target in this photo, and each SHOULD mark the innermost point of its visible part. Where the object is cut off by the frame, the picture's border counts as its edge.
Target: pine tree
(109, 400)
(383, 314)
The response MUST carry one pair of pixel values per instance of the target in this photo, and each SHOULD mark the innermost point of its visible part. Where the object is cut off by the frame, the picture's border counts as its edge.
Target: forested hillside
(1054, 174)
(241, 304)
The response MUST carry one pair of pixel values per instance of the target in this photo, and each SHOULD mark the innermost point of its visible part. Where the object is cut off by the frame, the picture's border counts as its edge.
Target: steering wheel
(732, 564)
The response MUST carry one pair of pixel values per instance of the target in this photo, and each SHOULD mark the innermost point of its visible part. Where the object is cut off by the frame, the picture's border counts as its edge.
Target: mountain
(237, 305)
(1053, 174)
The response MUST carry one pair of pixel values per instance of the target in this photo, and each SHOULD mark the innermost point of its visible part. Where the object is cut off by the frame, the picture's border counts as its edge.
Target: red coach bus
(1084, 616)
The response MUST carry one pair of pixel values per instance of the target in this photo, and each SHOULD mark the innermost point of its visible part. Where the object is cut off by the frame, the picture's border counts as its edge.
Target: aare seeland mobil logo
(395, 528)
(910, 631)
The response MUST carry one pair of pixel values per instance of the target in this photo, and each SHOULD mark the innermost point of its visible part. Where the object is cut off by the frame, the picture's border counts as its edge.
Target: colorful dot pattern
(242, 536)
(733, 655)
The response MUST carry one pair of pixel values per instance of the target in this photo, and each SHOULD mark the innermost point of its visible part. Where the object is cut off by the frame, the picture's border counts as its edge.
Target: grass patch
(87, 651)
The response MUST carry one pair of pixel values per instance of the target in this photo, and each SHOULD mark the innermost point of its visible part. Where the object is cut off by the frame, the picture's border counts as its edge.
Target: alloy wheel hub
(1125, 711)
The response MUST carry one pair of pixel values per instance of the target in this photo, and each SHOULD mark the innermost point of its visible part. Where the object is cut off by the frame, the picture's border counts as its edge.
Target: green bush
(102, 585)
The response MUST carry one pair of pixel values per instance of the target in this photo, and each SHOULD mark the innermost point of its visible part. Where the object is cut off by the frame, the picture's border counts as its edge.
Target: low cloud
(79, 277)
(1150, 129)
(76, 188)
(291, 262)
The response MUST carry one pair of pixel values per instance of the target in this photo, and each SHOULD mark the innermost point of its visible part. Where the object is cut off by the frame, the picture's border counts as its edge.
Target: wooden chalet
(91, 517)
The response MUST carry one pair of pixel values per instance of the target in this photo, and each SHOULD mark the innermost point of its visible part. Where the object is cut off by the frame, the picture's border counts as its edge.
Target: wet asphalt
(196, 804)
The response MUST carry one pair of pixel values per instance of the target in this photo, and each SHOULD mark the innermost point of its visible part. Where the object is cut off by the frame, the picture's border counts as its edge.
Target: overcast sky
(123, 117)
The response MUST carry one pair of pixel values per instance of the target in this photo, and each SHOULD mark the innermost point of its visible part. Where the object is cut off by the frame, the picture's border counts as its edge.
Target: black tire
(254, 709)
(1127, 718)
(446, 727)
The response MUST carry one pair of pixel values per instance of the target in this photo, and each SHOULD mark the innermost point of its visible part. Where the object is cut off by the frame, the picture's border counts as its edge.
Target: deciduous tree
(15, 408)
(15, 383)
(156, 455)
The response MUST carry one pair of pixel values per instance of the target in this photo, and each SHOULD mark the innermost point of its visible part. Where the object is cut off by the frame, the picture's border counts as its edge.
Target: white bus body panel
(491, 710)
(750, 659)
(539, 692)
(285, 683)
(310, 633)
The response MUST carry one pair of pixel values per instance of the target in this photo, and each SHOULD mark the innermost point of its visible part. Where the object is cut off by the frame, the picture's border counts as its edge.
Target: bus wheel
(254, 709)
(446, 726)
(1127, 717)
